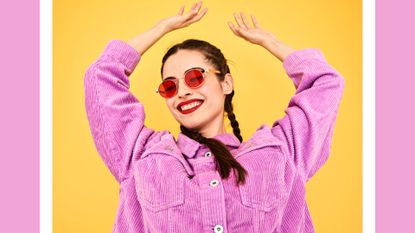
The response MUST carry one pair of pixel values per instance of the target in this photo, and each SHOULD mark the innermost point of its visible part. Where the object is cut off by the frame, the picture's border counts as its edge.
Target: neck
(216, 127)
(212, 132)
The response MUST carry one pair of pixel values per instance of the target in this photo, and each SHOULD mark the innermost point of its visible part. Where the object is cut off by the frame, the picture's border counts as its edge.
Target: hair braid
(232, 117)
(224, 159)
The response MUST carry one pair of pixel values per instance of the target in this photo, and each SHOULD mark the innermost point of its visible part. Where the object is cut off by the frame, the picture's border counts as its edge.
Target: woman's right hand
(145, 40)
(183, 20)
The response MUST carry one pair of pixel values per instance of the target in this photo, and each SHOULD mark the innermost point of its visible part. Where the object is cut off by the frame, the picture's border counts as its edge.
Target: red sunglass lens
(194, 78)
(167, 88)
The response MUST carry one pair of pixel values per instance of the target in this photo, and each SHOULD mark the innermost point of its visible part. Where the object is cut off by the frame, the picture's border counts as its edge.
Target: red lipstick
(189, 108)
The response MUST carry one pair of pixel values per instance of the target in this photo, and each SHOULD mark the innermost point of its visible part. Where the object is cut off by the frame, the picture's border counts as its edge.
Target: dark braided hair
(224, 159)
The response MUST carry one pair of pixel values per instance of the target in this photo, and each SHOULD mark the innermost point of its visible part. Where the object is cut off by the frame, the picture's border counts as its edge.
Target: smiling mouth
(190, 107)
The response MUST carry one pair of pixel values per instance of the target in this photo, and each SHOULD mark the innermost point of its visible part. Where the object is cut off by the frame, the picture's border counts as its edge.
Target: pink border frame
(395, 116)
(19, 127)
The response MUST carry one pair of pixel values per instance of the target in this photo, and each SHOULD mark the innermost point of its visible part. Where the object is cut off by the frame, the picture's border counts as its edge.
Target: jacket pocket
(267, 184)
(159, 185)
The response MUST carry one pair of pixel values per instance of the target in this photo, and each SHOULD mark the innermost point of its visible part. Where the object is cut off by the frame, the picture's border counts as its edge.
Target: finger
(192, 12)
(239, 20)
(234, 29)
(201, 14)
(193, 6)
(181, 10)
(198, 5)
(245, 21)
(255, 21)
(196, 18)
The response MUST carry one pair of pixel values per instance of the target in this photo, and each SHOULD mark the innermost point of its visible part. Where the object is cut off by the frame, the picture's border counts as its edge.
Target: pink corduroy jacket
(169, 185)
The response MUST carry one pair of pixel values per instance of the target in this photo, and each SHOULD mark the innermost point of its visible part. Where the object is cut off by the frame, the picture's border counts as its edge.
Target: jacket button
(208, 154)
(218, 229)
(214, 183)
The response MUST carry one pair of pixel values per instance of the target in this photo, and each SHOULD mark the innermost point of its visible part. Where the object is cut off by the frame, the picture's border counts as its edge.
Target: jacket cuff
(299, 56)
(123, 52)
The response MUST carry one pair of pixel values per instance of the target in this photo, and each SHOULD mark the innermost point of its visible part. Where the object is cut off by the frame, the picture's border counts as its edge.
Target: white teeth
(191, 105)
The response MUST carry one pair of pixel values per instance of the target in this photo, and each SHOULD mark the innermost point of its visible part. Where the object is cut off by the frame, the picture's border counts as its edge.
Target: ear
(227, 84)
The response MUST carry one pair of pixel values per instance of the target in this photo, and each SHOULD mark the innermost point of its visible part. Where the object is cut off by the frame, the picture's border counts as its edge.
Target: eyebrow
(196, 67)
(170, 77)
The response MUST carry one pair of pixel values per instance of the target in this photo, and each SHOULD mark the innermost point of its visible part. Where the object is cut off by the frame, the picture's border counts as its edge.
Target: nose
(183, 90)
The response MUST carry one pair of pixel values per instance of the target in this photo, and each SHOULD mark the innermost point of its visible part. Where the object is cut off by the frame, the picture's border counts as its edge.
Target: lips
(189, 106)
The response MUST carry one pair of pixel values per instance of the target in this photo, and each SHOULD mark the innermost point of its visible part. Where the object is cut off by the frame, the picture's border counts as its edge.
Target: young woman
(209, 180)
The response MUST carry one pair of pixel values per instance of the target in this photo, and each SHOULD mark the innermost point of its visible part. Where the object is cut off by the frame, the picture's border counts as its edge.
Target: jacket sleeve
(307, 127)
(115, 116)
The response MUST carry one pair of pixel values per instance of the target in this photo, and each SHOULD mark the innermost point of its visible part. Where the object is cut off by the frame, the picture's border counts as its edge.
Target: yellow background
(86, 194)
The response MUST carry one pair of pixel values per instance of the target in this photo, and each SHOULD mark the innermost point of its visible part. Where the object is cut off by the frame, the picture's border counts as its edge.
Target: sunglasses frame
(176, 80)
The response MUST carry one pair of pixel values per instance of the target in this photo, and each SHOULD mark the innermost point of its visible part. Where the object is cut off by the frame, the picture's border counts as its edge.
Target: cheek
(170, 105)
(215, 91)
(215, 100)
(212, 90)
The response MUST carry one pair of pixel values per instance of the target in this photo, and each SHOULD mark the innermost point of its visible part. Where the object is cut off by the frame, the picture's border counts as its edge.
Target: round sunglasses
(194, 78)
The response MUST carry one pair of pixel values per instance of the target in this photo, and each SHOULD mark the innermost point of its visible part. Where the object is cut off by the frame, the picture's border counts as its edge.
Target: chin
(195, 127)
(191, 124)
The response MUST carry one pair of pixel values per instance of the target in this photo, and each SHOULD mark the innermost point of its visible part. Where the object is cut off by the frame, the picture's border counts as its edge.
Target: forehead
(183, 60)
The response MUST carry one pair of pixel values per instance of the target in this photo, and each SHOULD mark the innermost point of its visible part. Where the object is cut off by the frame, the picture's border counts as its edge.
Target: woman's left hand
(254, 34)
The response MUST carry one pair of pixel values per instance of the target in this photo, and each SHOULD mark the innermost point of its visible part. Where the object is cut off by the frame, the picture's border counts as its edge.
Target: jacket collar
(189, 147)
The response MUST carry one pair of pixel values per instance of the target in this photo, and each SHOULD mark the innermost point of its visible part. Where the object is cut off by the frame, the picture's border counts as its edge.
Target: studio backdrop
(85, 194)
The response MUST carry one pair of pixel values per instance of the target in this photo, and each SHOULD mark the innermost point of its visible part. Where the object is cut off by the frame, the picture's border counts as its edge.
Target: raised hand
(142, 42)
(182, 20)
(256, 35)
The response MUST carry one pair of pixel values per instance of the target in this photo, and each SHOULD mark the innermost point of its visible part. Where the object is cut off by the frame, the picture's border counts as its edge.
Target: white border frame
(46, 115)
(369, 116)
